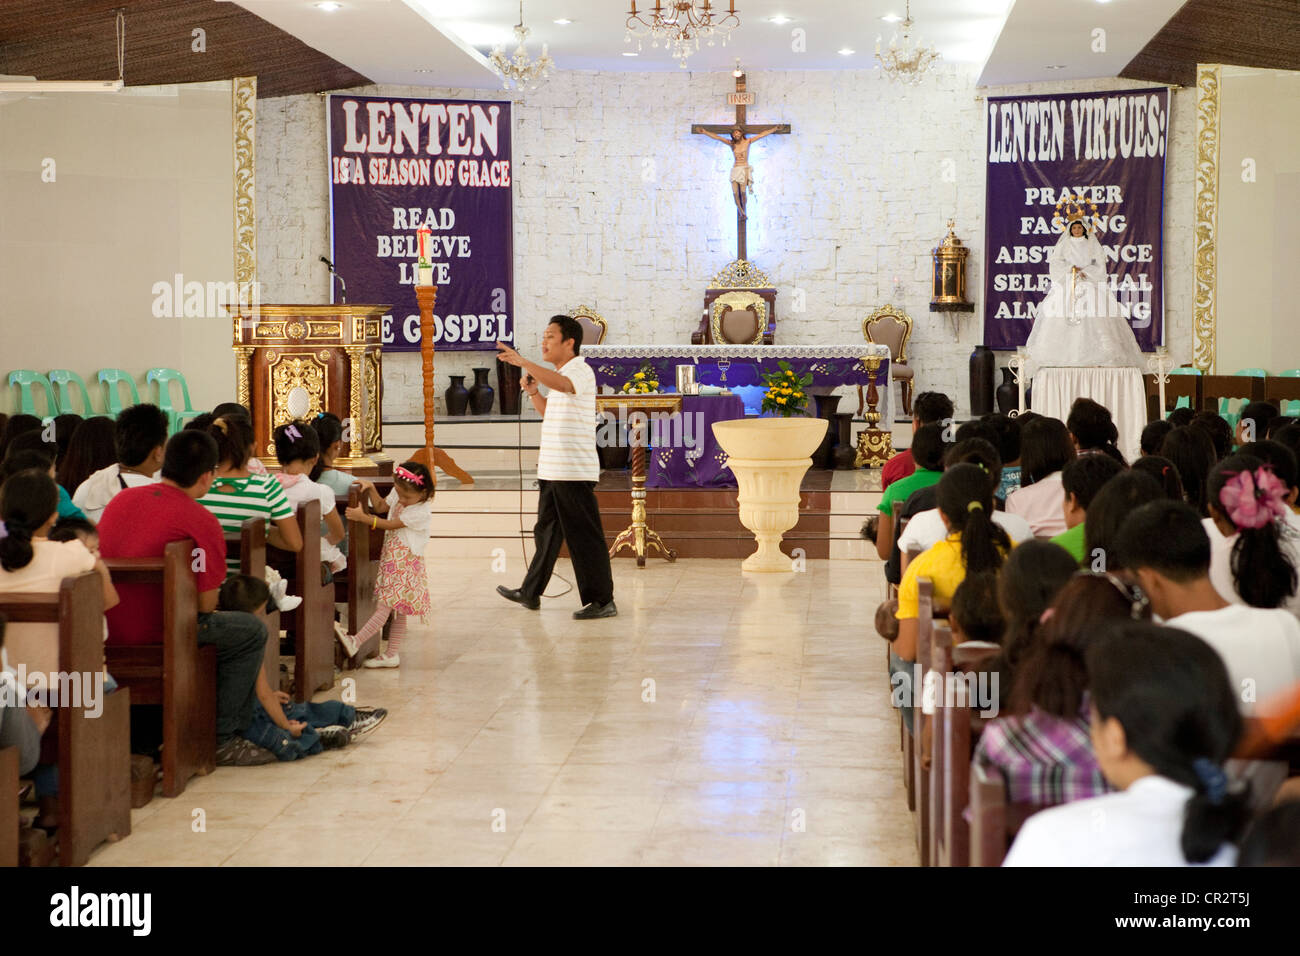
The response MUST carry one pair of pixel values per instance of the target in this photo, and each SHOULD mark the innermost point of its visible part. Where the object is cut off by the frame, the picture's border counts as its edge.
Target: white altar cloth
(1119, 389)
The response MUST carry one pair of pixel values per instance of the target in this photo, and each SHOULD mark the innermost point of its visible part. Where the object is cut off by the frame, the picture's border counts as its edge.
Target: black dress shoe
(516, 595)
(594, 610)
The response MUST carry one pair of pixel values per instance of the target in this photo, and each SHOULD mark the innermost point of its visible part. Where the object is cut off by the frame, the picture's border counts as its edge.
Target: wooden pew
(937, 686)
(311, 623)
(179, 675)
(920, 769)
(994, 822)
(356, 585)
(250, 547)
(9, 806)
(93, 753)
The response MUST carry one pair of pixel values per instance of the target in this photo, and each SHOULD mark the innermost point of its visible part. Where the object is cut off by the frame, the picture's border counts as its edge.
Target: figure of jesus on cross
(735, 136)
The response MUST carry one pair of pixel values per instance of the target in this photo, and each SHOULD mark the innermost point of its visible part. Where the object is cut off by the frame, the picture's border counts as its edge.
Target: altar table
(742, 366)
(687, 455)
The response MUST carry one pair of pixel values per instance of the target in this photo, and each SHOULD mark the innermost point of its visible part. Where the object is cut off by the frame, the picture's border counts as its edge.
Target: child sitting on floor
(313, 727)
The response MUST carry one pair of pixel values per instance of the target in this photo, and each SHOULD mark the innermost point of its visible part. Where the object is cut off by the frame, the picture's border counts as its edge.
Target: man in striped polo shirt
(567, 472)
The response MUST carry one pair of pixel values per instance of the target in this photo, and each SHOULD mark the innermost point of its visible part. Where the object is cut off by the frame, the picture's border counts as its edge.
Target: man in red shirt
(140, 523)
(927, 408)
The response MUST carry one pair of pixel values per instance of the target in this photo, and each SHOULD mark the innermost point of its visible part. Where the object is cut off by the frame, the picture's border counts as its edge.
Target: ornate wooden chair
(743, 286)
(593, 324)
(893, 328)
(738, 318)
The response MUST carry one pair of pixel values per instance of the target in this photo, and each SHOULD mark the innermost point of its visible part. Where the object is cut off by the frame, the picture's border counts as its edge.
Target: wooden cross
(740, 100)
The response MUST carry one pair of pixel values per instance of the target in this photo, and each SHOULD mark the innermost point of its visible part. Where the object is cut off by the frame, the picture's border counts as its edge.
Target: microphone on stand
(335, 275)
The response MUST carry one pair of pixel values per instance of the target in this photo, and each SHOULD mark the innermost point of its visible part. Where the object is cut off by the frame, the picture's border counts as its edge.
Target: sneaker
(238, 752)
(288, 603)
(347, 640)
(386, 659)
(367, 719)
(334, 737)
(594, 610)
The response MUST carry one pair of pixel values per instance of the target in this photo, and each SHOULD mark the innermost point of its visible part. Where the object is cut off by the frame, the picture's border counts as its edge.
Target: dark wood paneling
(1258, 33)
(74, 40)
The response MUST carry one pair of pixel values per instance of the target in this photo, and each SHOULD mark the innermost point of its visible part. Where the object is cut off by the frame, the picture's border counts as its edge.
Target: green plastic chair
(1291, 406)
(64, 381)
(113, 379)
(1183, 401)
(177, 416)
(26, 379)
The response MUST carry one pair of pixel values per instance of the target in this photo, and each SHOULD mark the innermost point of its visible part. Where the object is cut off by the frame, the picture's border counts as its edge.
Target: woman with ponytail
(1163, 721)
(238, 493)
(1254, 551)
(1043, 750)
(974, 543)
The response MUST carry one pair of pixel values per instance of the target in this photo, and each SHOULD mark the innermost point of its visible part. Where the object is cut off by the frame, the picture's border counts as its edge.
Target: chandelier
(906, 63)
(679, 25)
(518, 67)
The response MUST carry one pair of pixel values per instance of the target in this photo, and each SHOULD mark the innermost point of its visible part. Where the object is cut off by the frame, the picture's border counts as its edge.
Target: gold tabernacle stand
(637, 535)
(874, 445)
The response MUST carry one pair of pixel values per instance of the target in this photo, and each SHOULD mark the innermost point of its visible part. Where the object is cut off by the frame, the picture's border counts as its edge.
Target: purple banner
(1102, 152)
(401, 166)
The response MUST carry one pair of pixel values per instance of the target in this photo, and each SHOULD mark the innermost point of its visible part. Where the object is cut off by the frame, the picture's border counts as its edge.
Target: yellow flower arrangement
(786, 392)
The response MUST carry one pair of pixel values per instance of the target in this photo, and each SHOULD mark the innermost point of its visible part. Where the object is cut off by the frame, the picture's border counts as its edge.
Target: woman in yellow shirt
(974, 543)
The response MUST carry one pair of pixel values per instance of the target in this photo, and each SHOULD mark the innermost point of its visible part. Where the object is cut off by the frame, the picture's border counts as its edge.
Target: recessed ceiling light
(778, 20)
(1058, 66)
(563, 21)
(1103, 1)
(329, 6)
(892, 18)
(845, 51)
(629, 53)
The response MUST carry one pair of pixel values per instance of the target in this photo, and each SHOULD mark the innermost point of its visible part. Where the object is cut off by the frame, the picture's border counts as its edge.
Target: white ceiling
(1044, 33)
(443, 42)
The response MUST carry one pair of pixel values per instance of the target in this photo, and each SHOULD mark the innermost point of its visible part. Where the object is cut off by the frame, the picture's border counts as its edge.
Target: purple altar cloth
(687, 455)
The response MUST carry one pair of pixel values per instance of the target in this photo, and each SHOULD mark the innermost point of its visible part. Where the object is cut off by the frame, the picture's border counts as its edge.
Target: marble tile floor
(721, 719)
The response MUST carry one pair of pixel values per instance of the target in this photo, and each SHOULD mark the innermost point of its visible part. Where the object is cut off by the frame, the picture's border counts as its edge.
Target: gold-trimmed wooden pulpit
(293, 362)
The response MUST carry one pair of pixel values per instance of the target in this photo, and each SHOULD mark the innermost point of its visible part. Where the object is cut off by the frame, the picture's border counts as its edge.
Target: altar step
(474, 522)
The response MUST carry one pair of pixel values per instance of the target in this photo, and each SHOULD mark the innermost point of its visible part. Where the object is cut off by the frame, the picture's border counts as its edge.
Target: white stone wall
(619, 208)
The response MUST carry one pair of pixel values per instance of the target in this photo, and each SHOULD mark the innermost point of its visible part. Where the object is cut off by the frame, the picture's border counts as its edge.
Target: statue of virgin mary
(1080, 323)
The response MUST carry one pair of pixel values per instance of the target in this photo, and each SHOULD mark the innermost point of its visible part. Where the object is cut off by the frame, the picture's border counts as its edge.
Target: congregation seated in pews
(157, 605)
(1035, 690)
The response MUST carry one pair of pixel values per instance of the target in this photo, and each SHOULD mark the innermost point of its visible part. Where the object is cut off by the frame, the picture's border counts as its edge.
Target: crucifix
(738, 136)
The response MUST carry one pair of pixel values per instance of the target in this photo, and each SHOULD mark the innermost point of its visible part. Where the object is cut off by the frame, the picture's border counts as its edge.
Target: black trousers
(567, 512)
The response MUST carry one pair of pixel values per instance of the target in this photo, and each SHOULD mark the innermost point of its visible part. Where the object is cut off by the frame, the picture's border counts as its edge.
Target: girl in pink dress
(401, 586)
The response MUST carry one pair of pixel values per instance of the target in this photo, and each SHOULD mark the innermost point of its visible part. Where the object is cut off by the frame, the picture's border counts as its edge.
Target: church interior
(878, 312)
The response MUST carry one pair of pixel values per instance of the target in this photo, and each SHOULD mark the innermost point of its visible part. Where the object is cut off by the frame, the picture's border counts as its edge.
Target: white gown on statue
(1080, 322)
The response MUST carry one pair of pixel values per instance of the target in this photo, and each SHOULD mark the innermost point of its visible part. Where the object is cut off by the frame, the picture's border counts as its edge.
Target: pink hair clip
(409, 476)
(1252, 500)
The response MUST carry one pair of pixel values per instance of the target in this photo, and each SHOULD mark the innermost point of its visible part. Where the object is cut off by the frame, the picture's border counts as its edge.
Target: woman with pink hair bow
(1254, 550)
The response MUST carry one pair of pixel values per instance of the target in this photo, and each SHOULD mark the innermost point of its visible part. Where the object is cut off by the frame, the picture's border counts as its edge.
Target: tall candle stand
(1017, 365)
(430, 455)
(874, 444)
(1159, 365)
